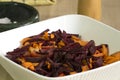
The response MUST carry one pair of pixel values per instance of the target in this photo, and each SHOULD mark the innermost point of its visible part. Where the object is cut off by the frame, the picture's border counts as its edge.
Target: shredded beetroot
(57, 54)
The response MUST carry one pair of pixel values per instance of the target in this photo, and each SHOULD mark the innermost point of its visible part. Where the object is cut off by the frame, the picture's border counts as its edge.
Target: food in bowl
(60, 53)
(112, 58)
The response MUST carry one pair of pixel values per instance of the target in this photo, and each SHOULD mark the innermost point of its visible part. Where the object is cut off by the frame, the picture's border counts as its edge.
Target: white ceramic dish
(87, 27)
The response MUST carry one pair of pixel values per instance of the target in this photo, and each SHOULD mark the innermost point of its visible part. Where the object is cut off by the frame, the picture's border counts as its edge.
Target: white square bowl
(88, 28)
